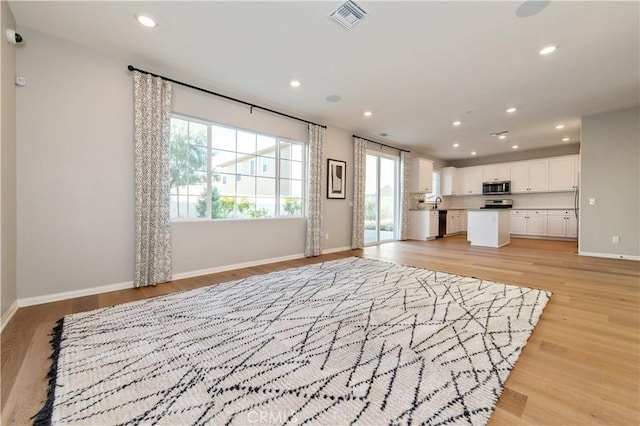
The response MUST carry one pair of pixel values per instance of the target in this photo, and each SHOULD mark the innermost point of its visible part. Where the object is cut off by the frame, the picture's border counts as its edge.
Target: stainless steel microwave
(496, 188)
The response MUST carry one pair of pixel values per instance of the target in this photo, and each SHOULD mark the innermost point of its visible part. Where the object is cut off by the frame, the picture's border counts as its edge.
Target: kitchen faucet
(436, 201)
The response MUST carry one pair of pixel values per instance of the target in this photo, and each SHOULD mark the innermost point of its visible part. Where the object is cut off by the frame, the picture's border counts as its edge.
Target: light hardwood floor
(580, 366)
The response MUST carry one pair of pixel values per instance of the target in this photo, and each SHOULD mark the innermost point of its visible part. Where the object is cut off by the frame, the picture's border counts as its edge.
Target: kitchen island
(489, 227)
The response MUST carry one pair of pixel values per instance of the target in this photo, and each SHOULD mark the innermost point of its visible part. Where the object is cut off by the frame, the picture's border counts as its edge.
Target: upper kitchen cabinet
(470, 180)
(450, 181)
(496, 172)
(421, 175)
(564, 173)
(530, 176)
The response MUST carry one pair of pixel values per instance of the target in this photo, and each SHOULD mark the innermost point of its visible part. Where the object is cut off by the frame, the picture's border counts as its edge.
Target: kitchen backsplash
(414, 199)
(520, 201)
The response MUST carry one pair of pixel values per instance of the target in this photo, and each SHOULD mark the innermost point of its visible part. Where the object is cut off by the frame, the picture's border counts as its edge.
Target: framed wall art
(336, 179)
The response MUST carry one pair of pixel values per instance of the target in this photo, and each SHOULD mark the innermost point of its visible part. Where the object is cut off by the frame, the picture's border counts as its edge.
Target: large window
(220, 172)
(435, 182)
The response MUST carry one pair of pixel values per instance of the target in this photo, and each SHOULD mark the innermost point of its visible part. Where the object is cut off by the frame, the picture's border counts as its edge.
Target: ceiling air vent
(348, 14)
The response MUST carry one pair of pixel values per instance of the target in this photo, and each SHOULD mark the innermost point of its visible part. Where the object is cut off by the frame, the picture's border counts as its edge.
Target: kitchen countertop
(477, 208)
(543, 208)
(435, 210)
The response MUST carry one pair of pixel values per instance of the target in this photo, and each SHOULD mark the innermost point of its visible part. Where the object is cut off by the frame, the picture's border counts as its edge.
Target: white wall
(75, 168)
(75, 176)
(610, 173)
(202, 245)
(338, 214)
(531, 154)
(8, 236)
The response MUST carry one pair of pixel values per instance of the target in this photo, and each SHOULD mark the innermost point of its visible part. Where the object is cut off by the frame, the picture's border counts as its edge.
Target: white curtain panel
(315, 186)
(359, 179)
(152, 120)
(405, 162)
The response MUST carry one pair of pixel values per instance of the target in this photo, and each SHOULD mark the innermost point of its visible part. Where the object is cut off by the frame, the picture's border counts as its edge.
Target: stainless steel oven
(498, 204)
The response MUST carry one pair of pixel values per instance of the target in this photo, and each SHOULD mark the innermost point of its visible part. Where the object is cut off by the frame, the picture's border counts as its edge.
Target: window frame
(436, 182)
(397, 192)
(278, 196)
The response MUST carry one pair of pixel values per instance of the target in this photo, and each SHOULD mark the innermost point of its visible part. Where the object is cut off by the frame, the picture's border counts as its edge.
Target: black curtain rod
(383, 144)
(190, 86)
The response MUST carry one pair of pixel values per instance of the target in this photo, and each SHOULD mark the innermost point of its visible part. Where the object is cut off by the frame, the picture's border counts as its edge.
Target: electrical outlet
(592, 201)
(615, 239)
(326, 236)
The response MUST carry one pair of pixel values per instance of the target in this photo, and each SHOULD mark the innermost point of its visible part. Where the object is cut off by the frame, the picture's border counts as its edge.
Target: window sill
(194, 220)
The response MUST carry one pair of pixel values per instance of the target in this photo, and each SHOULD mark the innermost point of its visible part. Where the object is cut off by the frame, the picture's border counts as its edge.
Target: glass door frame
(396, 195)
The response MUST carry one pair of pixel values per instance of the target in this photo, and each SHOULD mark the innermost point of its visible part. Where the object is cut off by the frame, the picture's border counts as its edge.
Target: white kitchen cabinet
(496, 172)
(562, 223)
(454, 222)
(530, 176)
(421, 176)
(519, 177)
(564, 173)
(556, 226)
(450, 181)
(423, 224)
(572, 227)
(434, 223)
(518, 222)
(470, 179)
(529, 222)
(537, 223)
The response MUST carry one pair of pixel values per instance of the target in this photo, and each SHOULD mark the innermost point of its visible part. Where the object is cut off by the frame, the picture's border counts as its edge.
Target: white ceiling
(418, 66)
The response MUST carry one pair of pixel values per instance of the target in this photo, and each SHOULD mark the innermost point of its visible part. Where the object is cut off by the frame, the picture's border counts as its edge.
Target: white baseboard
(47, 298)
(609, 255)
(543, 237)
(215, 270)
(6, 317)
(337, 249)
(38, 300)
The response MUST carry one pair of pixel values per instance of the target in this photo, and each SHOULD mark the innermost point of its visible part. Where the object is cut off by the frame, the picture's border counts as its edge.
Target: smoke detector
(348, 14)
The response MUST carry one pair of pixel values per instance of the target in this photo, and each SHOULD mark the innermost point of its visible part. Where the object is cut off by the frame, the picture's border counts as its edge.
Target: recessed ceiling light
(145, 20)
(295, 83)
(560, 126)
(457, 123)
(512, 110)
(473, 153)
(515, 147)
(566, 139)
(455, 145)
(368, 113)
(548, 49)
(502, 137)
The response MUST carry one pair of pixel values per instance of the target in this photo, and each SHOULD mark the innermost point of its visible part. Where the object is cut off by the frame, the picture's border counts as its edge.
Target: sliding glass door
(381, 198)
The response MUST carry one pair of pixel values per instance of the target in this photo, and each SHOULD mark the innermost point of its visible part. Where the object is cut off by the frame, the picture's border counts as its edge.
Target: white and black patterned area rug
(351, 341)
